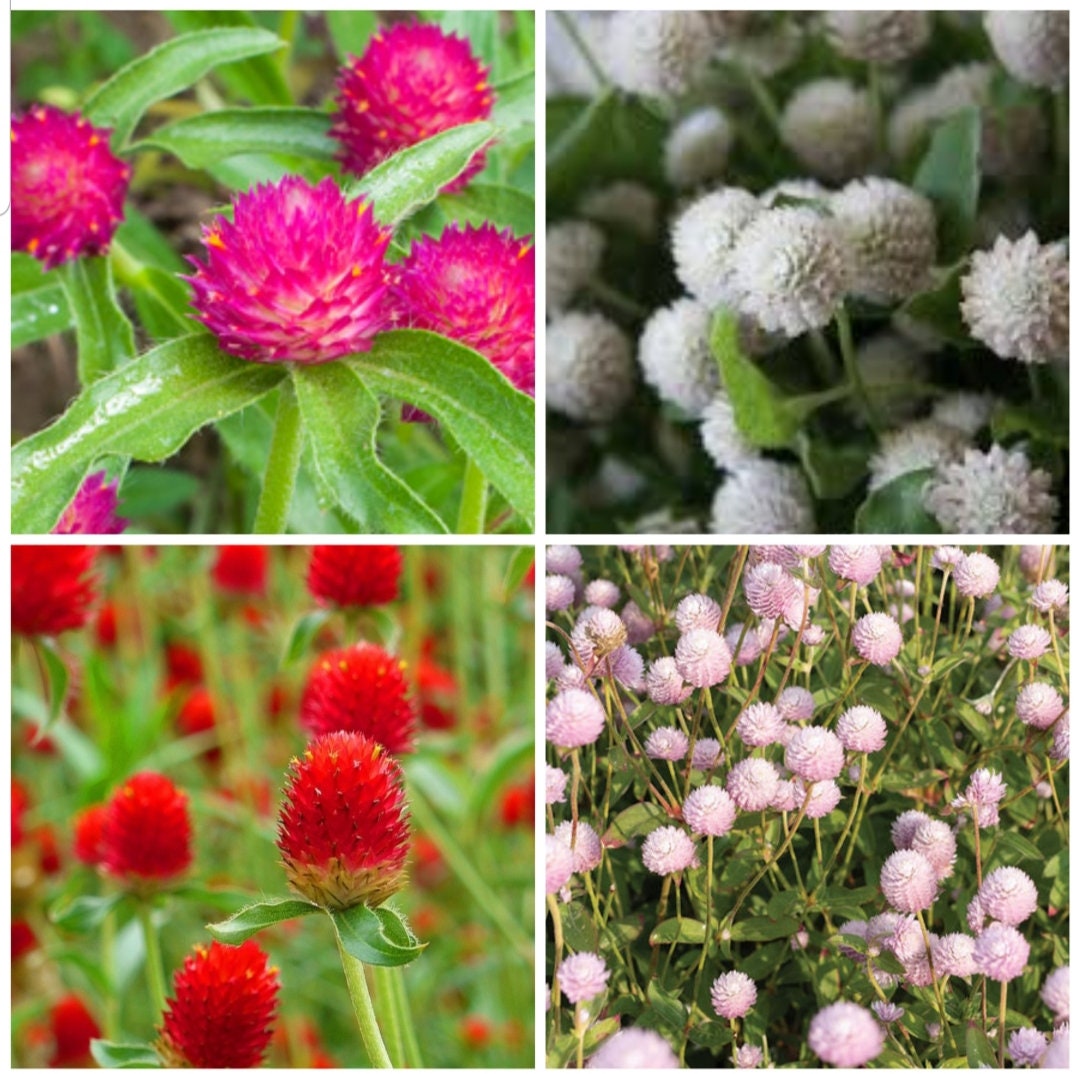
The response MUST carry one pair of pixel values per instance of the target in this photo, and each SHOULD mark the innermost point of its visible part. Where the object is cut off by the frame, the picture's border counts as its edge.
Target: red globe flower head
(67, 187)
(20, 802)
(297, 276)
(51, 588)
(476, 1032)
(183, 666)
(518, 804)
(105, 627)
(93, 510)
(222, 1012)
(23, 940)
(89, 834)
(196, 715)
(48, 849)
(412, 81)
(437, 691)
(354, 576)
(343, 833)
(476, 286)
(241, 569)
(73, 1027)
(146, 833)
(361, 688)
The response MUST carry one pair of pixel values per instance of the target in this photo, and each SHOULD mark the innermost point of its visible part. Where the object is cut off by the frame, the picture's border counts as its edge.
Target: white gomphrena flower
(602, 592)
(702, 240)
(626, 205)
(791, 268)
(658, 53)
(1033, 45)
(563, 559)
(589, 369)
(877, 36)
(720, 436)
(892, 233)
(921, 445)
(763, 496)
(696, 150)
(1050, 596)
(573, 249)
(997, 492)
(770, 48)
(1016, 299)
(968, 412)
(830, 128)
(675, 357)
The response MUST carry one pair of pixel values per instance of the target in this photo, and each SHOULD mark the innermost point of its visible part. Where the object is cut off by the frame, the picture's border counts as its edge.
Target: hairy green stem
(154, 967)
(281, 468)
(475, 499)
(362, 1003)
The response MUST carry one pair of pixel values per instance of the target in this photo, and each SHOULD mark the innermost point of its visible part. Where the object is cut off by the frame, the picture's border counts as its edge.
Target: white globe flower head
(675, 357)
(791, 191)
(969, 412)
(697, 148)
(720, 436)
(877, 36)
(658, 53)
(829, 126)
(1016, 299)
(1033, 45)
(921, 445)
(573, 249)
(624, 204)
(763, 496)
(589, 369)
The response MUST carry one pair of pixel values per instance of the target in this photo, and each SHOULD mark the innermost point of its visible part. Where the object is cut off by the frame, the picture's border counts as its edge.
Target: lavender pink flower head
(1039, 704)
(573, 718)
(640, 628)
(952, 955)
(597, 633)
(886, 1012)
(1025, 1046)
(769, 590)
(1008, 895)
(823, 798)
(946, 557)
(1036, 561)
(1028, 642)
(572, 677)
(905, 940)
(709, 810)
(562, 559)
(861, 729)
(796, 704)
(554, 660)
(983, 794)
(976, 575)
(748, 648)
(784, 797)
(877, 637)
(555, 784)
(602, 592)
(750, 1057)
(582, 976)
(628, 668)
(697, 612)
(814, 753)
(733, 994)
(1059, 750)
(664, 683)
(587, 849)
(93, 510)
(908, 881)
(1055, 993)
(667, 744)
(936, 841)
(760, 724)
(752, 783)
(558, 864)
(707, 754)
(668, 850)
(634, 1049)
(905, 826)
(845, 1035)
(855, 563)
(558, 592)
(1050, 596)
(813, 635)
(1001, 952)
(703, 658)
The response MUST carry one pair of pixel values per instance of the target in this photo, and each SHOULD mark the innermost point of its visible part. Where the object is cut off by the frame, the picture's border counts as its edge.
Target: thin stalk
(850, 364)
(282, 467)
(1002, 1019)
(1055, 647)
(612, 296)
(557, 954)
(475, 499)
(362, 1003)
(154, 967)
(108, 968)
(391, 1021)
(580, 43)
(939, 614)
(932, 974)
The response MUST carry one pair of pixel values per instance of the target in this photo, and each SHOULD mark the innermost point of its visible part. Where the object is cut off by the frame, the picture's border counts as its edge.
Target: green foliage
(950, 175)
(896, 507)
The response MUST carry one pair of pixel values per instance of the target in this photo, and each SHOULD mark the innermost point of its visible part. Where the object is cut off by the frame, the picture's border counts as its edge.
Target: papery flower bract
(709, 810)
(1055, 992)
(354, 576)
(241, 569)
(760, 724)
(769, 590)
(555, 784)
(697, 147)
(588, 848)
(908, 881)
(702, 657)
(936, 841)
(845, 1035)
(554, 660)
(763, 496)
(952, 954)
(675, 357)
(752, 783)
(815, 753)
(657, 53)
(297, 275)
(886, 1012)
(558, 864)
(862, 729)
(697, 612)
(52, 588)
(1001, 953)
(1028, 642)
(597, 633)
(829, 126)
(667, 744)
(602, 593)
(589, 366)
(1008, 895)
(733, 994)
(640, 628)
(824, 796)
(563, 559)
(796, 704)
(750, 1056)
(582, 976)
(1033, 45)
(668, 850)
(146, 835)
(343, 833)
(558, 592)
(1025, 1046)
(573, 718)
(707, 754)
(856, 563)
(93, 510)
(634, 1048)
(1050, 596)
(877, 637)
(67, 187)
(976, 575)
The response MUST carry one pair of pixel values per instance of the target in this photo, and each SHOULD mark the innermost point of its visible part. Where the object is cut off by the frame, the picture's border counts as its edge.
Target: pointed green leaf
(763, 928)
(950, 175)
(57, 681)
(38, 303)
(114, 1056)
(897, 507)
(503, 206)
(636, 820)
(678, 930)
(378, 937)
(939, 311)
(302, 635)
(350, 31)
(85, 913)
(260, 915)
(979, 1052)
(518, 568)
(104, 336)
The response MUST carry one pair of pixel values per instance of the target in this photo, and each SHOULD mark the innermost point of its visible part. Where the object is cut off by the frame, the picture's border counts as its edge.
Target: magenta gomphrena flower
(555, 784)
(905, 826)
(587, 848)
(93, 510)
(855, 563)
(1025, 1046)
(668, 850)
(769, 590)
(554, 660)
(976, 575)
(936, 841)
(733, 994)
(746, 647)
(752, 783)
(640, 628)
(1050, 596)
(709, 810)
(707, 754)
(602, 593)
(697, 612)
(558, 864)
(1008, 895)
(814, 753)
(946, 557)
(634, 1049)
(702, 657)
(562, 559)
(664, 683)
(573, 718)
(1055, 992)
(845, 1035)
(475, 286)
(1028, 642)
(908, 881)
(887, 1012)
(760, 724)
(67, 187)
(796, 704)
(750, 1056)
(582, 977)
(298, 275)
(877, 637)
(952, 955)
(558, 592)
(1001, 952)
(667, 744)
(823, 798)
(861, 729)
(412, 81)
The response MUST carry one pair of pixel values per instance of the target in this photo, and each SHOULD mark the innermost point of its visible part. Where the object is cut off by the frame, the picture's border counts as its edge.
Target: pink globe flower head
(297, 276)
(976, 575)
(1055, 992)
(597, 633)
(603, 593)
(877, 637)
(572, 677)
(982, 796)
(809, 551)
(1050, 596)
(823, 798)
(796, 704)
(628, 668)
(905, 940)
(664, 683)
(750, 1057)
(558, 864)
(814, 753)
(582, 977)
(1001, 952)
(745, 647)
(554, 660)
(709, 810)
(908, 881)
(475, 286)
(587, 849)
(1008, 895)
(845, 1035)
(668, 850)
(412, 81)
(93, 510)
(975, 915)
(634, 1049)
(855, 563)
(1039, 704)
(573, 718)
(760, 724)
(697, 612)
(861, 729)
(667, 744)
(733, 994)
(640, 628)
(558, 593)
(1057, 1055)
(1059, 750)
(946, 557)
(769, 590)
(555, 784)
(936, 841)
(1028, 642)
(562, 559)
(952, 955)
(905, 826)
(703, 658)
(752, 783)
(67, 187)
(886, 1012)
(707, 754)
(785, 797)
(813, 635)
(1025, 1046)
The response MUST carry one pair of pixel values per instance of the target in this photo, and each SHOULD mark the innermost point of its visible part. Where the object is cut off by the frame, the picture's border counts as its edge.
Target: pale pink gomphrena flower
(709, 810)
(905, 825)
(634, 1049)
(602, 593)
(877, 637)
(1029, 642)
(855, 563)
(667, 744)
(1001, 952)
(983, 795)
(668, 850)
(815, 753)
(703, 658)
(587, 849)
(905, 941)
(952, 955)
(976, 575)
(750, 1056)
(1025, 1046)
(936, 841)
(752, 783)
(861, 729)
(796, 704)
(845, 1035)
(573, 718)
(769, 590)
(975, 915)
(572, 677)
(813, 635)
(1057, 1055)
(946, 557)
(886, 1012)
(1060, 747)
(809, 551)
(558, 864)
(582, 976)
(784, 797)
(1050, 596)
(919, 973)
(750, 647)
(707, 754)
(824, 797)
(640, 628)
(555, 784)
(1032, 558)
(1039, 704)
(664, 683)
(760, 724)
(553, 660)
(558, 592)
(562, 559)
(697, 612)
(733, 994)
(627, 667)
(597, 632)
(1008, 895)
(908, 881)
(1055, 992)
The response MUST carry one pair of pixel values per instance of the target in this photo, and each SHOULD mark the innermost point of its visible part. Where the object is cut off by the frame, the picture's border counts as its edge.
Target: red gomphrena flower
(93, 510)
(73, 1027)
(476, 286)
(183, 666)
(23, 940)
(476, 1032)
(20, 802)
(297, 276)
(146, 834)
(105, 626)
(343, 833)
(354, 576)
(241, 570)
(196, 715)
(360, 688)
(89, 833)
(518, 804)
(52, 588)
(222, 1012)
(48, 849)
(437, 691)
(412, 81)
(67, 187)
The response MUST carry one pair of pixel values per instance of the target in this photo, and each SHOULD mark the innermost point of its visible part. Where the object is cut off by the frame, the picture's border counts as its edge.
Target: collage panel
(807, 806)
(272, 806)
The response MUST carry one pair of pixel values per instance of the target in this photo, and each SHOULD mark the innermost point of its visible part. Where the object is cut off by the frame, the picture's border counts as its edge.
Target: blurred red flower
(23, 939)
(437, 690)
(518, 804)
(146, 834)
(73, 1027)
(89, 832)
(353, 576)
(196, 715)
(241, 569)
(475, 1031)
(183, 664)
(52, 588)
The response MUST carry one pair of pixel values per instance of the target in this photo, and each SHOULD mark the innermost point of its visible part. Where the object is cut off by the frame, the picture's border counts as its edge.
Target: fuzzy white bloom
(892, 232)
(624, 204)
(720, 437)
(727, 26)
(767, 51)
(763, 496)
(830, 128)
(702, 240)
(1033, 45)
(658, 53)
(997, 492)
(697, 148)
(921, 445)
(573, 249)
(675, 356)
(797, 190)
(589, 370)
(877, 36)
(790, 270)
(1016, 299)
(969, 412)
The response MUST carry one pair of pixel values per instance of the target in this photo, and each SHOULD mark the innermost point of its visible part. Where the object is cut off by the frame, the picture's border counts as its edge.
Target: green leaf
(939, 310)
(518, 568)
(514, 101)
(510, 757)
(147, 409)
(678, 930)
(579, 928)
(152, 491)
(979, 1051)
(229, 900)
(711, 1035)
(115, 1056)
(104, 336)
(85, 913)
(166, 70)
(635, 820)
(377, 937)
(350, 31)
(302, 635)
(950, 174)
(57, 681)
(1015, 848)
(503, 206)
(340, 415)
(38, 302)
(205, 139)
(763, 928)
(842, 900)
(834, 470)
(260, 915)
(1045, 421)
(162, 301)
(490, 420)
(667, 1009)
(897, 507)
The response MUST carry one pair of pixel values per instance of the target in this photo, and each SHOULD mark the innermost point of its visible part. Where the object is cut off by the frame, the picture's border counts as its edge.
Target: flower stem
(354, 971)
(475, 495)
(154, 967)
(282, 465)
(1002, 1019)
(850, 364)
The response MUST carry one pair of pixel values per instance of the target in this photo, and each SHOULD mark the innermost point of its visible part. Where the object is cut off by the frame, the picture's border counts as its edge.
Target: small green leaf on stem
(376, 937)
(302, 635)
(897, 507)
(85, 913)
(260, 915)
(56, 670)
(115, 1056)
